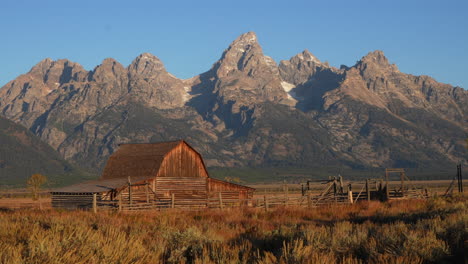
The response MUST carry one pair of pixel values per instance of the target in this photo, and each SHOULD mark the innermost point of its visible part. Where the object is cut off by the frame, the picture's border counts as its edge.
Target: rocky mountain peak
(376, 61)
(48, 75)
(245, 55)
(307, 56)
(42, 66)
(240, 79)
(64, 71)
(248, 38)
(377, 57)
(108, 61)
(108, 70)
(146, 65)
(245, 43)
(300, 68)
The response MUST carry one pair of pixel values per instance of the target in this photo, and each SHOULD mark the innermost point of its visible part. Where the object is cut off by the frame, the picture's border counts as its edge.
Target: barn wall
(188, 191)
(228, 190)
(182, 161)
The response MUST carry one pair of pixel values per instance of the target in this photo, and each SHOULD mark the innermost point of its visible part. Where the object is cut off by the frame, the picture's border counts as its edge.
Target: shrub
(420, 232)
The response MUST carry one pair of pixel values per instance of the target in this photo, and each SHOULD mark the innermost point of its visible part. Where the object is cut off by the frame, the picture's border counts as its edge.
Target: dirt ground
(25, 203)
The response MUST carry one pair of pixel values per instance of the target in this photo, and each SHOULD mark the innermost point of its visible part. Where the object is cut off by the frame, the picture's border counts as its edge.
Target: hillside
(23, 154)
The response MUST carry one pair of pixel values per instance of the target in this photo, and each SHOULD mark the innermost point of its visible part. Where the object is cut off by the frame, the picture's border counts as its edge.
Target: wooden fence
(334, 191)
(218, 202)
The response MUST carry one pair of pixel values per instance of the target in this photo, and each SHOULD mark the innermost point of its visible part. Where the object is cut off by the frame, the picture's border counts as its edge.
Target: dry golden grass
(16, 203)
(433, 231)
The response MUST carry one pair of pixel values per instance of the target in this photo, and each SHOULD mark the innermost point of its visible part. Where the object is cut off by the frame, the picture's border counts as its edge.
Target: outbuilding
(164, 174)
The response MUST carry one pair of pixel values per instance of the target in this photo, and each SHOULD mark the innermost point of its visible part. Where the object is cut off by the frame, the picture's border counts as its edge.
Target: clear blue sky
(421, 37)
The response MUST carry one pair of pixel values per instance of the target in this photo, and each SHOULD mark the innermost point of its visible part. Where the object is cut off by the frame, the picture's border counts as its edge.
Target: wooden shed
(152, 174)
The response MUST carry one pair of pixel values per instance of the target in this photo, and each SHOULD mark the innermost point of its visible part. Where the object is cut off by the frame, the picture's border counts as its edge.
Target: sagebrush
(432, 231)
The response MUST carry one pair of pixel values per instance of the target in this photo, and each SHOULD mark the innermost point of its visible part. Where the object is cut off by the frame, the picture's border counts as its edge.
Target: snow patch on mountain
(288, 88)
(186, 96)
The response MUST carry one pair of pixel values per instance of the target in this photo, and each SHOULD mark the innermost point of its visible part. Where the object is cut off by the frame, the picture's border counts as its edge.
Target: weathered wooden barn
(165, 174)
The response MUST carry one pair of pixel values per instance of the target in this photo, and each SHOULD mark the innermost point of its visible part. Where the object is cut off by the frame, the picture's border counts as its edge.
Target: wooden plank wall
(73, 200)
(183, 162)
(188, 191)
(229, 190)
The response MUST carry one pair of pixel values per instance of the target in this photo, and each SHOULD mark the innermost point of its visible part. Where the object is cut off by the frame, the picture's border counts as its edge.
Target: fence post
(309, 201)
(265, 199)
(367, 190)
(147, 192)
(350, 194)
(334, 188)
(387, 189)
(120, 202)
(130, 191)
(402, 179)
(94, 202)
(460, 178)
(341, 184)
(173, 200)
(220, 195)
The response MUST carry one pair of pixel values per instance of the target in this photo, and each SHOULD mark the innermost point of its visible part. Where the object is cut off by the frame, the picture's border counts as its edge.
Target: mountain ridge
(236, 111)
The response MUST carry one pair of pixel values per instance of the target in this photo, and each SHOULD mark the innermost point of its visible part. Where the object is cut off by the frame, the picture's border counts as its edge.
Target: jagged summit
(245, 76)
(300, 67)
(376, 58)
(56, 72)
(109, 61)
(243, 44)
(108, 70)
(146, 57)
(45, 63)
(246, 38)
(306, 55)
(146, 65)
(375, 63)
(245, 56)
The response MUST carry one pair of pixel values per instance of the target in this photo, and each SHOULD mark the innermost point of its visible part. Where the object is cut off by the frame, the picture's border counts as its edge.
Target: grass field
(416, 231)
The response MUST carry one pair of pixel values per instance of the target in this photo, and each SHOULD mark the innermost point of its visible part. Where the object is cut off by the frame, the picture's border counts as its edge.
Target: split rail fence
(333, 191)
(218, 202)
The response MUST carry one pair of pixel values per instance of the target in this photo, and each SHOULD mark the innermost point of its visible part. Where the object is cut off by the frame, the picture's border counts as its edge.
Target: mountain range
(246, 111)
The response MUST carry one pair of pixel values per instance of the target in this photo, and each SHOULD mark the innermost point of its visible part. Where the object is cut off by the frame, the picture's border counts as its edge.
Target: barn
(164, 174)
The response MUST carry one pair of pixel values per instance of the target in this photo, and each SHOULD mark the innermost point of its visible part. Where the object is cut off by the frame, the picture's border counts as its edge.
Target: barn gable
(182, 161)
